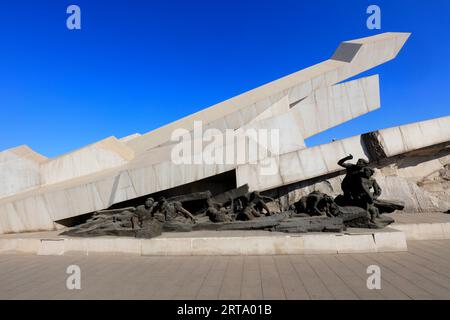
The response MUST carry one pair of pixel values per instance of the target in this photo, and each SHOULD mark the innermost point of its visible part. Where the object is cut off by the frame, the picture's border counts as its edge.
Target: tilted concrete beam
(321, 160)
(239, 110)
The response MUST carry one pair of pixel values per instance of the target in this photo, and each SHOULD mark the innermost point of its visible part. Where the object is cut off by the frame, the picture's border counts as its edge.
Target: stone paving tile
(213, 281)
(359, 279)
(272, 287)
(231, 284)
(421, 273)
(395, 277)
(251, 288)
(389, 291)
(293, 286)
(313, 283)
(410, 272)
(337, 287)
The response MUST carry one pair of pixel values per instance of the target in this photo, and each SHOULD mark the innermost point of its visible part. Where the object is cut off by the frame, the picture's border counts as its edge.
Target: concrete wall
(106, 154)
(331, 106)
(320, 160)
(417, 135)
(19, 170)
(420, 179)
(241, 109)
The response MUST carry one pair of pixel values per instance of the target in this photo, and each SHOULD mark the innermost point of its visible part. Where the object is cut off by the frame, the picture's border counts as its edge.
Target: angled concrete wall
(130, 137)
(106, 154)
(36, 210)
(19, 170)
(417, 135)
(241, 109)
(320, 160)
(331, 106)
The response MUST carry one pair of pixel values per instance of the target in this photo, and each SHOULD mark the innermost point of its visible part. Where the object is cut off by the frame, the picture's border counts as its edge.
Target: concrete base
(408, 226)
(423, 226)
(214, 243)
(425, 231)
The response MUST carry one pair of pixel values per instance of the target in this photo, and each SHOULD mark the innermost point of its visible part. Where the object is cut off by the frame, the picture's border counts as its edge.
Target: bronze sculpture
(239, 209)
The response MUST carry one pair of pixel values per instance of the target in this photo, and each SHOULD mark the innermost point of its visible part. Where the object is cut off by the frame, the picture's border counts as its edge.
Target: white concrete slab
(425, 231)
(213, 243)
(19, 170)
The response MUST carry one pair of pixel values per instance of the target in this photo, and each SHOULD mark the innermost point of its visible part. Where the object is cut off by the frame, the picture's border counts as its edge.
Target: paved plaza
(421, 273)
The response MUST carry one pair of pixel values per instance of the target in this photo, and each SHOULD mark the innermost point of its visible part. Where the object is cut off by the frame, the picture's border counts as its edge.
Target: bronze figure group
(238, 209)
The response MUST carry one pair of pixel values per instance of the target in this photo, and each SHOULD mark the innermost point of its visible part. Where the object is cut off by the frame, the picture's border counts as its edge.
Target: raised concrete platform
(211, 243)
(423, 226)
(408, 226)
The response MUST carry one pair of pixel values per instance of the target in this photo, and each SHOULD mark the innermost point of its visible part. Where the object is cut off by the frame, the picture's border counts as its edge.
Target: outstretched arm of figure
(343, 160)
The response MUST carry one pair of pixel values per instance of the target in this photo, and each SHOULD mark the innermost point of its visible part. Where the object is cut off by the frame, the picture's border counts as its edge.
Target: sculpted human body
(353, 172)
(369, 191)
(258, 201)
(171, 209)
(316, 204)
(142, 213)
(218, 213)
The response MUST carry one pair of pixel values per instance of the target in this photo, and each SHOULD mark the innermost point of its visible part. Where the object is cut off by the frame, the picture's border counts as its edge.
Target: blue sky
(137, 65)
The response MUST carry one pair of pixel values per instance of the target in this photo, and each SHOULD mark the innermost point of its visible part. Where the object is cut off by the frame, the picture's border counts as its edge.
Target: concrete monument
(87, 186)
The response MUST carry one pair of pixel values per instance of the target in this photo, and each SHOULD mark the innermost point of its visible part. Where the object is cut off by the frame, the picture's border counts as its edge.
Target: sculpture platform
(423, 226)
(408, 226)
(211, 243)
